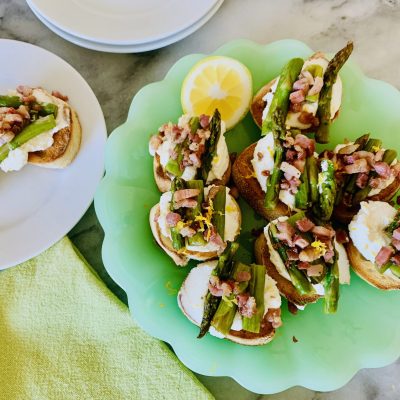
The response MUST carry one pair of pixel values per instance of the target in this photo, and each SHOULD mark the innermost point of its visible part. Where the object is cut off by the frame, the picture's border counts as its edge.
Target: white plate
(39, 206)
(122, 22)
(126, 48)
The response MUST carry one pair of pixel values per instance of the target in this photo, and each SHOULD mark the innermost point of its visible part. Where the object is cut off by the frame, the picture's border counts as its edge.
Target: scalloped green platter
(330, 349)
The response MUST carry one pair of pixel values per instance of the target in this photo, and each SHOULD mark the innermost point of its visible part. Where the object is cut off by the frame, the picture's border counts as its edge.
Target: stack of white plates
(124, 26)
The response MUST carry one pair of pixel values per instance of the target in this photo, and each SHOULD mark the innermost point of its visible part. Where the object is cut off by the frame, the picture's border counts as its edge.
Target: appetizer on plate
(374, 250)
(232, 300)
(37, 127)
(308, 95)
(364, 170)
(194, 148)
(307, 261)
(195, 222)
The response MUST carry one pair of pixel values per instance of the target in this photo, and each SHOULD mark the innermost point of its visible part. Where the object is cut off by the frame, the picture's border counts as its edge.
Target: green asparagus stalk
(31, 131)
(331, 285)
(222, 270)
(197, 239)
(10, 101)
(395, 270)
(296, 217)
(227, 308)
(177, 239)
(303, 193)
(388, 157)
(256, 289)
(393, 225)
(194, 124)
(325, 97)
(312, 172)
(211, 145)
(275, 119)
(218, 216)
(272, 190)
(47, 109)
(174, 166)
(299, 278)
(327, 190)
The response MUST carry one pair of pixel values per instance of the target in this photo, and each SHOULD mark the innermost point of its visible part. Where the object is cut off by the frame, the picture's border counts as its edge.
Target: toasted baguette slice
(368, 271)
(258, 104)
(163, 181)
(285, 287)
(250, 189)
(267, 331)
(182, 256)
(66, 145)
(345, 214)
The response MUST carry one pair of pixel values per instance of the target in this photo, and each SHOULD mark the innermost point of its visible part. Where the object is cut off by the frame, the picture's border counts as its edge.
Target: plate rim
(101, 136)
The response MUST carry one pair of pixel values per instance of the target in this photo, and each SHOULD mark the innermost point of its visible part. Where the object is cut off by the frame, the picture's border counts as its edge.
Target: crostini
(232, 300)
(307, 94)
(306, 260)
(363, 171)
(195, 222)
(194, 148)
(374, 250)
(37, 127)
(279, 177)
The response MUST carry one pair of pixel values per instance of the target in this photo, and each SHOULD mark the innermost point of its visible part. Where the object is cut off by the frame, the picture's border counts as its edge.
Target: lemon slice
(218, 82)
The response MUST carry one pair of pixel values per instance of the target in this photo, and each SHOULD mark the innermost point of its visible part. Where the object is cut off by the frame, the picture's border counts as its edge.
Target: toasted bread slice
(66, 145)
(345, 214)
(163, 181)
(368, 271)
(182, 256)
(250, 189)
(266, 333)
(285, 287)
(258, 104)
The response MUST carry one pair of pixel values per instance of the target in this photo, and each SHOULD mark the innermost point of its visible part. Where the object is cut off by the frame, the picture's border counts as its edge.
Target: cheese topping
(367, 229)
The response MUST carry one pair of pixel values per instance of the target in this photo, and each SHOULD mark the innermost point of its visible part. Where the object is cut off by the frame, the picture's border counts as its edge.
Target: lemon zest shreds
(319, 246)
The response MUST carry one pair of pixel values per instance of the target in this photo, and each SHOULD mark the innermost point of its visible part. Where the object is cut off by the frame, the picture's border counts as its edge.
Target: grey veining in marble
(374, 25)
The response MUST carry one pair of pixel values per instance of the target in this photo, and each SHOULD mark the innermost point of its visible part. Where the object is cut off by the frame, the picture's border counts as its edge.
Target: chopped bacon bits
(172, 219)
(185, 194)
(384, 255)
(243, 276)
(59, 95)
(358, 166)
(297, 96)
(274, 316)
(382, 169)
(305, 224)
(247, 306)
(396, 234)
(396, 259)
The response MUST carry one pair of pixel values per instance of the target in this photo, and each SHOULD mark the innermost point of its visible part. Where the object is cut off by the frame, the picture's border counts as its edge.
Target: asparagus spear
(299, 278)
(211, 145)
(197, 239)
(272, 190)
(303, 192)
(218, 216)
(388, 157)
(222, 270)
(275, 119)
(327, 190)
(312, 172)
(393, 225)
(47, 109)
(331, 285)
(31, 131)
(10, 101)
(325, 97)
(174, 166)
(177, 239)
(226, 311)
(256, 289)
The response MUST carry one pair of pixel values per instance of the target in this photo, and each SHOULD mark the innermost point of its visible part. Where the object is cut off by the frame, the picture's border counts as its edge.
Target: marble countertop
(115, 78)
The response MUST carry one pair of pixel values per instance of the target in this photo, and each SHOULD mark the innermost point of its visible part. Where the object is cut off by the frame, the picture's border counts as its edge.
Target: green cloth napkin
(64, 335)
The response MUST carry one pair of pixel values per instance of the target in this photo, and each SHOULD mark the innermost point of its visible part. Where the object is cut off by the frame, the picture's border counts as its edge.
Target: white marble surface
(374, 26)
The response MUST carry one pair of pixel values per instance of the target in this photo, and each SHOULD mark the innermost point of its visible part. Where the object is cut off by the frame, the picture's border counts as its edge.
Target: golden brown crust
(266, 334)
(250, 189)
(163, 181)
(368, 271)
(258, 104)
(66, 145)
(285, 287)
(345, 214)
